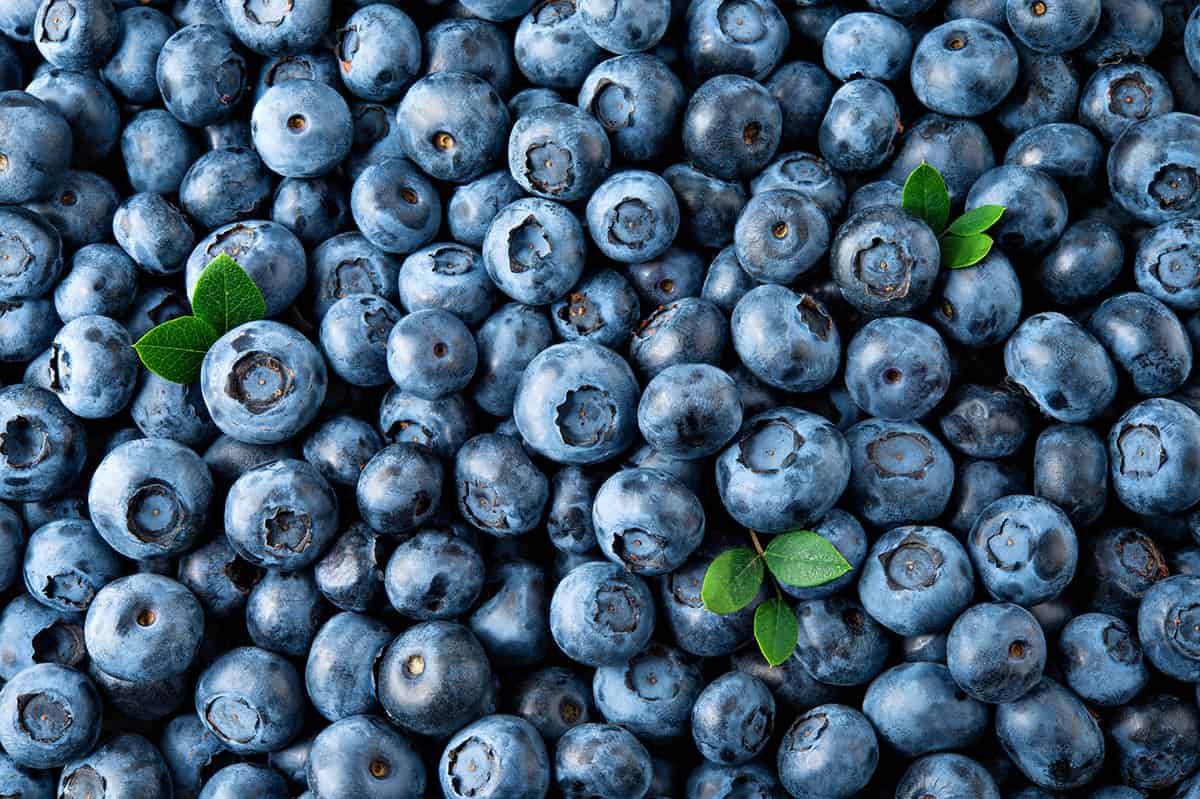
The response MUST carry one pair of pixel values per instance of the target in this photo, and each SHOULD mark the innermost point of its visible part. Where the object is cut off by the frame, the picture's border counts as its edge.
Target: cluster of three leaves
(802, 558)
(225, 297)
(964, 242)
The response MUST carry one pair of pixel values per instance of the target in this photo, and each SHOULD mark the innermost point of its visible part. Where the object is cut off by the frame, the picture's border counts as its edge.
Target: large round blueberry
(1061, 367)
(1151, 451)
(647, 521)
(900, 473)
(1024, 549)
(830, 751)
(534, 250)
(916, 580)
(601, 614)
(251, 699)
(1051, 737)
(49, 715)
(281, 515)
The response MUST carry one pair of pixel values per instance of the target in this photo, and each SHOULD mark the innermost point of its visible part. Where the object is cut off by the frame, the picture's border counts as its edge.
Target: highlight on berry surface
(964, 242)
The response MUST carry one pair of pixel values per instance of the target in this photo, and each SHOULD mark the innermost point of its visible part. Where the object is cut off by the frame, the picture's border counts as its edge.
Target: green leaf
(226, 296)
(977, 220)
(804, 559)
(732, 580)
(925, 197)
(175, 349)
(963, 251)
(776, 631)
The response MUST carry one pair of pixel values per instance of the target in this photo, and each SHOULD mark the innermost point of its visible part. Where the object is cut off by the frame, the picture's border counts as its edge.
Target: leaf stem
(757, 544)
(758, 547)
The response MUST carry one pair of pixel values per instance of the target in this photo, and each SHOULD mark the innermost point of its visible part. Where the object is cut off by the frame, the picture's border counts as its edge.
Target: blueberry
(348, 264)
(996, 652)
(225, 186)
(1117, 96)
(638, 99)
(434, 678)
(240, 779)
(780, 235)
(395, 207)
(268, 252)
(67, 563)
(602, 308)
(1071, 154)
(601, 761)
(809, 330)
(318, 65)
(785, 471)
(81, 208)
(984, 422)
(144, 627)
(354, 336)
(900, 473)
(35, 246)
(442, 425)
(284, 611)
(632, 216)
(154, 232)
(251, 699)
(340, 447)
(601, 615)
(885, 261)
(49, 715)
(651, 695)
(1153, 168)
(471, 45)
(964, 67)
(731, 126)
(695, 629)
(271, 30)
(1127, 29)
(628, 27)
(916, 580)
(1051, 737)
(301, 128)
(453, 125)
(917, 709)
(1071, 470)
(150, 498)
(1024, 549)
(839, 643)
(263, 382)
(554, 700)
(379, 51)
(190, 752)
(156, 150)
(281, 515)
(747, 37)
(339, 675)
(1155, 741)
(726, 282)
(497, 756)
(26, 783)
(314, 209)
(31, 633)
(473, 205)
(897, 369)
(229, 458)
(534, 250)
(76, 35)
(433, 575)
(1166, 628)
(350, 574)
(376, 137)
(1056, 27)
(42, 445)
(1150, 450)
(201, 76)
(803, 91)
(647, 538)
(709, 206)
(364, 756)
(1061, 367)
(691, 422)
(1164, 265)
(867, 45)
(500, 490)
(852, 141)
(951, 776)
(558, 152)
(218, 577)
(1147, 341)
(447, 276)
(689, 330)
(1101, 659)
(1085, 261)
(830, 751)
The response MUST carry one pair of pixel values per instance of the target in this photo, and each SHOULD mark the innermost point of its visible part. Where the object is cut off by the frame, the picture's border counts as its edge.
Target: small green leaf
(226, 296)
(977, 220)
(963, 251)
(732, 580)
(925, 197)
(175, 349)
(776, 631)
(804, 559)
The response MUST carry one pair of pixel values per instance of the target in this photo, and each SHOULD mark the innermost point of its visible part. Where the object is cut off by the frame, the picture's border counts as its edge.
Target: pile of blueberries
(564, 299)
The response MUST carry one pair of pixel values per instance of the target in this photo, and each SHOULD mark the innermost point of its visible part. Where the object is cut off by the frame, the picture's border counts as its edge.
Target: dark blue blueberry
(201, 76)
(1071, 154)
(885, 261)
(229, 458)
(984, 422)
(1166, 623)
(512, 622)
(339, 675)
(554, 700)
(42, 445)
(1101, 659)
(25, 782)
(376, 137)
(803, 91)
(726, 282)
(225, 186)
(947, 776)
(354, 336)
(601, 761)
(1070, 468)
(350, 575)
(647, 521)
(963, 68)
(1151, 451)
(867, 45)
(38, 146)
(154, 232)
(473, 206)
(318, 65)
(301, 128)
(442, 425)
(349, 264)
(897, 368)
(49, 715)
(76, 34)
(363, 756)
(471, 45)
(831, 751)
(804, 356)
(27, 327)
(314, 209)
(157, 151)
(1035, 208)
(1128, 30)
(268, 252)
(839, 643)
(1024, 549)
(269, 29)
(676, 274)
(431, 353)
(31, 633)
(1146, 340)
(632, 216)
(1083, 264)
(628, 27)
(1117, 96)
(144, 627)
(1061, 367)
(957, 148)
(569, 517)
(129, 72)
(651, 695)
(996, 652)
(559, 152)
(639, 100)
(251, 699)
(1051, 737)
(500, 490)
(900, 473)
(1155, 741)
(689, 411)
(142, 700)
(534, 250)
(218, 577)
(917, 709)
(341, 447)
(506, 342)
(551, 47)
(67, 563)
(732, 125)
(284, 611)
(1167, 264)
(709, 206)
(733, 718)
(81, 208)
(241, 779)
(447, 276)
(31, 249)
(791, 683)
(496, 757)
(281, 515)
(745, 37)
(12, 544)
(379, 51)
(433, 575)
(1047, 92)
(859, 131)
(395, 206)
(1154, 168)
(600, 614)
(690, 330)
(916, 579)
(1055, 27)
(453, 126)
(602, 308)
(780, 235)
(694, 628)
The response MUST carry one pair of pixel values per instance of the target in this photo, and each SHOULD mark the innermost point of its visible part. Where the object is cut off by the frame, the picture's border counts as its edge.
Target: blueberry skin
(67, 563)
(301, 128)
(918, 709)
(630, 27)
(558, 152)
(240, 779)
(852, 141)
(349, 264)
(218, 577)
(952, 776)
(1166, 630)
(1101, 660)
(651, 695)
(601, 761)
(154, 232)
(353, 336)
(784, 472)
(569, 517)
(632, 216)
(839, 643)
(290, 29)
(879, 236)
(341, 446)
(1051, 737)
(38, 144)
(1071, 154)
(780, 235)
(1189, 789)
(471, 45)
(647, 521)
(899, 473)
(1165, 264)
(433, 575)
(269, 412)
(725, 282)
(709, 206)
(694, 628)
(1061, 367)
(46, 445)
(452, 125)
(144, 627)
(803, 356)
(497, 756)
(78, 35)
(32, 633)
(616, 634)
(963, 68)
(985, 422)
(350, 575)
(395, 207)
(314, 209)
(442, 425)
(447, 276)
(1117, 96)
(1036, 208)
(1058, 29)
(88, 107)
(534, 250)
(1070, 469)
(379, 51)
(434, 678)
(268, 252)
(867, 45)
(281, 515)
(733, 718)
(551, 47)
(1128, 30)
(150, 498)
(81, 208)
(12, 544)
(339, 673)
(364, 756)
(689, 411)
(897, 369)
(500, 490)
(512, 623)
(996, 652)
(16, 20)
(602, 308)
(577, 403)
(1148, 158)
(1155, 741)
(201, 76)
(1086, 260)
(284, 611)
(1151, 448)
(26, 783)
(129, 71)
(224, 186)
(36, 247)
(1024, 549)
(26, 329)
(807, 174)
(554, 700)
(431, 354)
(746, 39)
(1147, 341)
(142, 700)
(506, 342)
(251, 699)
(803, 91)
(831, 752)
(49, 715)
(731, 127)
(616, 87)
(689, 330)
(473, 206)
(916, 580)
(157, 151)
